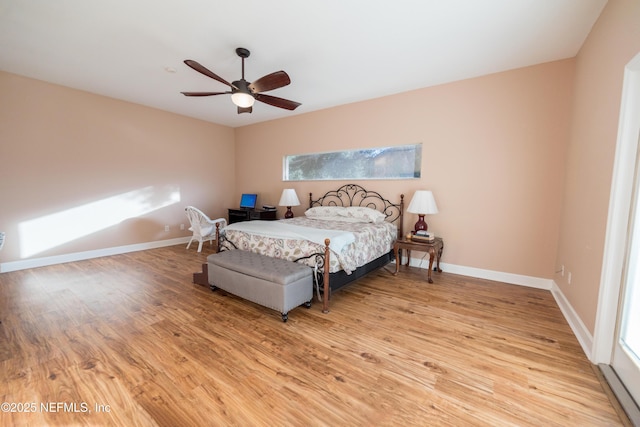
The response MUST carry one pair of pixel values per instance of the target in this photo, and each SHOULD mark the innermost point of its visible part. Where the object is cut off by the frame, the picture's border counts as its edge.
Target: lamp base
(289, 213)
(420, 225)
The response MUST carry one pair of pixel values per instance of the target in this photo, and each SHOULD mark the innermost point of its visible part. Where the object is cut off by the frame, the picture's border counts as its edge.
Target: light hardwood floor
(129, 340)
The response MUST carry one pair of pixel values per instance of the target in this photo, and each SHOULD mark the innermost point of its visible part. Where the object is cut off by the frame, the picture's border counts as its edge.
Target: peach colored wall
(493, 154)
(612, 43)
(62, 149)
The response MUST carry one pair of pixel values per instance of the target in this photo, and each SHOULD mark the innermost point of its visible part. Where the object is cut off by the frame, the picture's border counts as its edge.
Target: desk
(434, 249)
(239, 215)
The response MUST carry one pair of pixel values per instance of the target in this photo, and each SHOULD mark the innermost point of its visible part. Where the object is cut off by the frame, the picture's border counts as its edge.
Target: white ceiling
(335, 51)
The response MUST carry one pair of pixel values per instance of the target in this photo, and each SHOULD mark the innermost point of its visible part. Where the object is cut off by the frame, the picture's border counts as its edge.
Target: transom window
(397, 162)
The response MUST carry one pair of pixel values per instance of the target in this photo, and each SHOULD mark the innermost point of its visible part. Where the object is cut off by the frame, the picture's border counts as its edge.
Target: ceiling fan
(243, 93)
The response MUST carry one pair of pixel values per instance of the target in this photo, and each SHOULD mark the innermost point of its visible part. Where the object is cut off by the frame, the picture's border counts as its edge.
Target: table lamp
(289, 198)
(422, 204)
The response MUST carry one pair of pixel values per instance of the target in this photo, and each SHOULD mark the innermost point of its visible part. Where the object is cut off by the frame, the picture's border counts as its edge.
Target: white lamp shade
(289, 198)
(243, 100)
(423, 203)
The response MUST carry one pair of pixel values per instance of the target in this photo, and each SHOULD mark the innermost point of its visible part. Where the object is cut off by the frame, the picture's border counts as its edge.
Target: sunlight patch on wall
(40, 234)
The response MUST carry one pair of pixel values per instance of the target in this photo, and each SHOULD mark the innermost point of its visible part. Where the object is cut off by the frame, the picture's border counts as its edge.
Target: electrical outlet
(562, 270)
(166, 228)
(181, 226)
(569, 278)
(2, 234)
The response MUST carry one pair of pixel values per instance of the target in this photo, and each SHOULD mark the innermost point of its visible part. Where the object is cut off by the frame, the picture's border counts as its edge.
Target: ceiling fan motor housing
(242, 86)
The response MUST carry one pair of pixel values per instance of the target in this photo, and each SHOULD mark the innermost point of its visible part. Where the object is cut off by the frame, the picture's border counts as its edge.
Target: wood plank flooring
(130, 340)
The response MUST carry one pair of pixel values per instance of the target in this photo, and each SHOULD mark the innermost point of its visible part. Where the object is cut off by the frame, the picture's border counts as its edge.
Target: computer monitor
(248, 201)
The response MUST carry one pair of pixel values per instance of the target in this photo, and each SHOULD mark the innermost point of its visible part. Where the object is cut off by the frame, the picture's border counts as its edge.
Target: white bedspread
(302, 237)
(283, 230)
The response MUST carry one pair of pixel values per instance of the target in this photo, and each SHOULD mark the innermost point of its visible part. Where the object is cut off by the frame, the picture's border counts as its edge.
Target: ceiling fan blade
(277, 102)
(203, 93)
(202, 70)
(245, 110)
(270, 82)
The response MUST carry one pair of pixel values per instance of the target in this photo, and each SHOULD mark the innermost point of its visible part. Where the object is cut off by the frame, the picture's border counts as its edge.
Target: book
(423, 239)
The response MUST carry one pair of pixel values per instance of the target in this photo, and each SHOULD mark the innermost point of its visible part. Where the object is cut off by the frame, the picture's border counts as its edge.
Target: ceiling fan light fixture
(243, 100)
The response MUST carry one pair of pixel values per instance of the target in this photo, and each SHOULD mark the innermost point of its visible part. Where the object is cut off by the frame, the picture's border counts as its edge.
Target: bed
(345, 234)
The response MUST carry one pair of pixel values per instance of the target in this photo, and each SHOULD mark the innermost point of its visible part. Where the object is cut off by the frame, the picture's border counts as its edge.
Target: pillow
(350, 214)
(340, 218)
(325, 211)
(365, 214)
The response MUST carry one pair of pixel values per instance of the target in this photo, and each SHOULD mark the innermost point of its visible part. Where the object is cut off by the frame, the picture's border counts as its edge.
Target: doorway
(615, 346)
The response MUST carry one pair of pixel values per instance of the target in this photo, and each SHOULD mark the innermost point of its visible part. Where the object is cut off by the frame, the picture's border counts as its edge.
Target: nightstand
(434, 249)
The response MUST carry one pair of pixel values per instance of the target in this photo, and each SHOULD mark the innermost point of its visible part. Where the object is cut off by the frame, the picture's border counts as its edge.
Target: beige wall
(493, 154)
(63, 149)
(612, 43)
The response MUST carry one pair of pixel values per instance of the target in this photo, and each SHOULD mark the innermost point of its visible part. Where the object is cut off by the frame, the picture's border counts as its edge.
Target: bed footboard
(327, 288)
(321, 261)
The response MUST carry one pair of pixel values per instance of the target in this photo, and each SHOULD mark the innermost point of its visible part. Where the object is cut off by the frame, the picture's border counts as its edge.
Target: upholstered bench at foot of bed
(271, 282)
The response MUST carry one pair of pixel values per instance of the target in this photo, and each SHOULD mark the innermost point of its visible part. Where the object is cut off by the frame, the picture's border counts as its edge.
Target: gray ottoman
(271, 282)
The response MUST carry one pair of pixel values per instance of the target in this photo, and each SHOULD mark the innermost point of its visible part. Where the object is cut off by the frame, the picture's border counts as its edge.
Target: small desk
(434, 249)
(239, 215)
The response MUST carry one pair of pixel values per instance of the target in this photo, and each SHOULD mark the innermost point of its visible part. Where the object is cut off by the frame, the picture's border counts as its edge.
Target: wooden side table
(434, 249)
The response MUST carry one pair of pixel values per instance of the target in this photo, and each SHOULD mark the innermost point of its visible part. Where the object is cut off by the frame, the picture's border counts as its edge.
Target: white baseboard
(498, 276)
(79, 256)
(577, 326)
